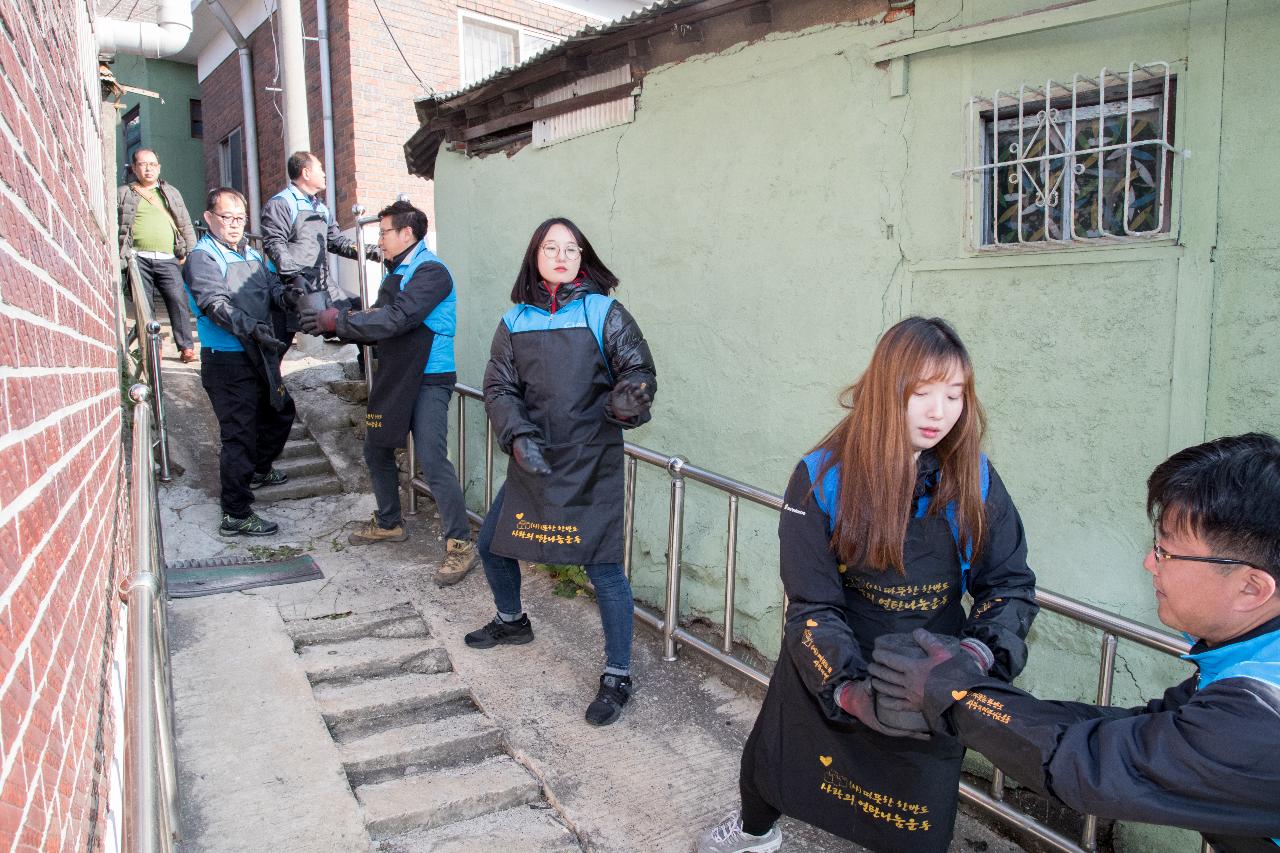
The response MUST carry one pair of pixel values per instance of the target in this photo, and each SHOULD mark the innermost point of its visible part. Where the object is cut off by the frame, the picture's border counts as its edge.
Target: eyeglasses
(1162, 555)
(228, 219)
(382, 231)
(571, 251)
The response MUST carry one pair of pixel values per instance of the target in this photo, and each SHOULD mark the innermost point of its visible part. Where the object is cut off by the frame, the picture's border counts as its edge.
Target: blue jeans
(613, 592)
(430, 426)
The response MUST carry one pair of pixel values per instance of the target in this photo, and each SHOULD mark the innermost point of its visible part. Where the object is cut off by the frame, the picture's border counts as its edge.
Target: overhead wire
(430, 92)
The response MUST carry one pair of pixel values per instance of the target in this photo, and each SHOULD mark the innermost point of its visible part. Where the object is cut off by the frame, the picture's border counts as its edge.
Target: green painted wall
(166, 123)
(772, 209)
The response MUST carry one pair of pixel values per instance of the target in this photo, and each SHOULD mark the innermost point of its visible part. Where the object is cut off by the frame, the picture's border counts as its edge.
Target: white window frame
(229, 147)
(523, 50)
(1048, 109)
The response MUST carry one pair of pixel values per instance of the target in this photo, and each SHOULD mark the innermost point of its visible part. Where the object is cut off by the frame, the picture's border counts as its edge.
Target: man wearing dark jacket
(413, 323)
(232, 294)
(1205, 756)
(297, 233)
(156, 228)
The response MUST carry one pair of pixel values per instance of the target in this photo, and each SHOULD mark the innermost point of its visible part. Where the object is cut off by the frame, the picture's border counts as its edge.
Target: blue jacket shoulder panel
(1257, 658)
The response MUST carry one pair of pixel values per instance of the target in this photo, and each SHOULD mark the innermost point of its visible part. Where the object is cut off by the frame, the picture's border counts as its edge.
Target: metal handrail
(149, 364)
(1113, 626)
(151, 789)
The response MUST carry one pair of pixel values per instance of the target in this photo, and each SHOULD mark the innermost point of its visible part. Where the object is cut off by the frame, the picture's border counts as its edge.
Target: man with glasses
(156, 228)
(232, 294)
(412, 323)
(1205, 756)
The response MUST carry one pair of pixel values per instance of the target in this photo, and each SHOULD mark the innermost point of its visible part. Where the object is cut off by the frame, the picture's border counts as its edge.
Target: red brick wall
(61, 497)
(373, 91)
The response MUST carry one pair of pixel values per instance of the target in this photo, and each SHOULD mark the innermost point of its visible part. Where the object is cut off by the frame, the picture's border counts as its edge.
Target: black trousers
(758, 815)
(165, 276)
(253, 432)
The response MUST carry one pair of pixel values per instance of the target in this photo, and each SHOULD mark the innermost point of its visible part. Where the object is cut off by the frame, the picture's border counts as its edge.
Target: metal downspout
(326, 108)
(250, 113)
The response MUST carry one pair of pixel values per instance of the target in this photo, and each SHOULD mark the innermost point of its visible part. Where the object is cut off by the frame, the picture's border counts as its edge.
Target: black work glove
(373, 253)
(266, 338)
(903, 676)
(289, 298)
(528, 456)
(858, 699)
(629, 400)
(321, 322)
(892, 711)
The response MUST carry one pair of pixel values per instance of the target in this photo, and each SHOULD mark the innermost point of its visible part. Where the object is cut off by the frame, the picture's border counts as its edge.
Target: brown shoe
(458, 561)
(187, 356)
(371, 532)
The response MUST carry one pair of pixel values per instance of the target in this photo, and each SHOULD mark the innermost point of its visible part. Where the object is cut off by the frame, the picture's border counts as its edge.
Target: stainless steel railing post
(628, 513)
(675, 541)
(488, 464)
(461, 438)
(1106, 676)
(730, 574)
(157, 400)
(411, 460)
(366, 296)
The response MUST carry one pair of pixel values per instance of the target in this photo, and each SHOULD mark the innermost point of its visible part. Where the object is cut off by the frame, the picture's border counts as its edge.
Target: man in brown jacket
(156, 228)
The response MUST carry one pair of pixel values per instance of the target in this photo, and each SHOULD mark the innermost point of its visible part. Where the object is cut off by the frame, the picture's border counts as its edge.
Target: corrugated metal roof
(585, 34)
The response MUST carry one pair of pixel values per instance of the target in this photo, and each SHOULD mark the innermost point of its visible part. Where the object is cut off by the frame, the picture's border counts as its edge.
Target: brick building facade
(373, 89)
(64, 515)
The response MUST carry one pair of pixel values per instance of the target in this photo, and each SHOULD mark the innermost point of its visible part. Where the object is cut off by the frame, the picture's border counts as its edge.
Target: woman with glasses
(568, 370)
(888, 522)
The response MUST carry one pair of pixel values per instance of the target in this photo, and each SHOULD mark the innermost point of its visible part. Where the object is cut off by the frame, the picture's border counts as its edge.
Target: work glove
(903, 675)
(373, 253)
(858, 699)
(528, 456)
(320, 322)
(266, 338)
(629, 400)
(289, 298)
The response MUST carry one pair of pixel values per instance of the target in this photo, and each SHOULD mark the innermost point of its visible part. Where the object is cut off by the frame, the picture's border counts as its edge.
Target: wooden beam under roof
(590, 99)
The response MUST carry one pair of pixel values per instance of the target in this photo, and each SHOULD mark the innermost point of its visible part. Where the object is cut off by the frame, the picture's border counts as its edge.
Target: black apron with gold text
(398, 377)
(574, 514)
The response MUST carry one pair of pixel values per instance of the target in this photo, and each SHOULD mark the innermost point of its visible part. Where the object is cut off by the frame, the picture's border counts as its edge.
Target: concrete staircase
(430, 770)
(309, 470)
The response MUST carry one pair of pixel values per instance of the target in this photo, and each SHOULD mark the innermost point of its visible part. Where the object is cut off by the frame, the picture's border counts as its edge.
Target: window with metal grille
(1080, 163)
(132, 124)
(489, 44)
(231, 161)
(197, 118)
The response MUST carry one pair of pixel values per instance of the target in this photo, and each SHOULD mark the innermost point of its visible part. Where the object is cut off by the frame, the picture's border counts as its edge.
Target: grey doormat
(191, 578)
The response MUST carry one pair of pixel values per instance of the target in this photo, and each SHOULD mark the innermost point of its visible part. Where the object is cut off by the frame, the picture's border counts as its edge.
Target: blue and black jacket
(297, 231)
(1205, 756)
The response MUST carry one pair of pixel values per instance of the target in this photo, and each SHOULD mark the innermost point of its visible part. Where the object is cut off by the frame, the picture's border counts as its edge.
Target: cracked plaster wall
(772, 209)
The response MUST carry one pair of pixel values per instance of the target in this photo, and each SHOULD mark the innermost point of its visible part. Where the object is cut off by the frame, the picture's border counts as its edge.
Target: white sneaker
(727, 837)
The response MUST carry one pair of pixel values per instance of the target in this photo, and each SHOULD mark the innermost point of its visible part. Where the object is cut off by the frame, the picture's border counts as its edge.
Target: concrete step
(298, 430)
(399, 621)
(528, 829)
(309, 486)
(371, 657)
(464, 739)
(301, 466)
(360, 708)
(303, 448)
(351, 390)
(437, 799)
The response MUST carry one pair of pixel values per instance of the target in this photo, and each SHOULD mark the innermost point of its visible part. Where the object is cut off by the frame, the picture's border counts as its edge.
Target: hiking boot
(727, 837)
(254, 525)
(271, 478)
(373, 532)
(498, 632)
(458, 561)
(187, 356)
(614, 692)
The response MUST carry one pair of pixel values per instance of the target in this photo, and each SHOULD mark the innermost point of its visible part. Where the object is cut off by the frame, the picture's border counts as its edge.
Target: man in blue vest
(413, 323)
(1205, 756)
(297, 233)
(232, 292)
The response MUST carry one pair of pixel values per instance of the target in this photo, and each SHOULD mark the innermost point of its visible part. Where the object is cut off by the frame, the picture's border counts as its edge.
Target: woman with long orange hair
(888, 522)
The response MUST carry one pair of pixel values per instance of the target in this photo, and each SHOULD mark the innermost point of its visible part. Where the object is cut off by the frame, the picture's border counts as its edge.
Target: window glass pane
(531, 44)
(486, 48)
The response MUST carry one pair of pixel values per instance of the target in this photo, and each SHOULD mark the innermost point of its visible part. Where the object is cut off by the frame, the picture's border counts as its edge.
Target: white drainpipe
(167, 36)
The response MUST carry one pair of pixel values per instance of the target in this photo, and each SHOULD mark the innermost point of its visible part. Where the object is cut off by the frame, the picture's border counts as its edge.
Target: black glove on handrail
(629, 400)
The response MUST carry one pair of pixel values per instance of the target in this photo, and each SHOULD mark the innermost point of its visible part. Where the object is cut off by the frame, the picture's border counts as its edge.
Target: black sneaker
(498, 632)
(614, 692)
(271, 478)
(254, 525)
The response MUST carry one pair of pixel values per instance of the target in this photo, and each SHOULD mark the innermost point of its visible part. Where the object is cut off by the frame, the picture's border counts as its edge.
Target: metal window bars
(151, 787)
(1063, 164)
(991, 801)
